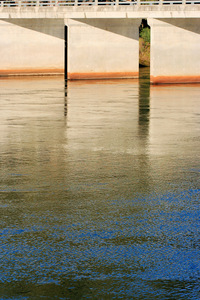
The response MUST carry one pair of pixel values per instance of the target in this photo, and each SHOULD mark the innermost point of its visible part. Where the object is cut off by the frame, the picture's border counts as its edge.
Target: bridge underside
(100, 48)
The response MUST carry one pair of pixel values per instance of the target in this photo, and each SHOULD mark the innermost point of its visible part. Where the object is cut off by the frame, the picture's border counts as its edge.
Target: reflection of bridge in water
(100, 39)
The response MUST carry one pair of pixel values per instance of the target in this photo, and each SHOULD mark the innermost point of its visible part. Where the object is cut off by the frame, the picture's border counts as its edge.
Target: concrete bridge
(100, 39)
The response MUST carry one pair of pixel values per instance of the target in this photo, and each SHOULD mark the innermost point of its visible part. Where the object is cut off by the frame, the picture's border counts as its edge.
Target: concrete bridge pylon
(101, 39)
(31, 47)
(103, 48)
(175, 50)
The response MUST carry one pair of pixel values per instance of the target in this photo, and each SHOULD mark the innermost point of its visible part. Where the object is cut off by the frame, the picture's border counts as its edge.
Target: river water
(99, 191)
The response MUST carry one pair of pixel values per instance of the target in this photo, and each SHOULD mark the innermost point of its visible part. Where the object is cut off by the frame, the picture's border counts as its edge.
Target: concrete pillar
(31, 46)
(175, 50)
(103, 48)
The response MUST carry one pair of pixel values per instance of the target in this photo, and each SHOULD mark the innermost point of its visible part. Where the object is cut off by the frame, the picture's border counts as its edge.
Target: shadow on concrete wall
(128, 27)
(183, 23)
(52, 27)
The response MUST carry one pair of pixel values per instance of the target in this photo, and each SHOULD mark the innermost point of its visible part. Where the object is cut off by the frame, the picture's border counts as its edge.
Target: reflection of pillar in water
(144, 172)
(144, 105)
(65, 102)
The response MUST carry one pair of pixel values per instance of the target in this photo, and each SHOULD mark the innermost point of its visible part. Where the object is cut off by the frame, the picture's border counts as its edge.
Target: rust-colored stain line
(174, 79)
(103, 75)
(31, 72)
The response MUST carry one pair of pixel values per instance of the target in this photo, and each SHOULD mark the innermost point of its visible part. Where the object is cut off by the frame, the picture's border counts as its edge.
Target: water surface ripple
(99, 190)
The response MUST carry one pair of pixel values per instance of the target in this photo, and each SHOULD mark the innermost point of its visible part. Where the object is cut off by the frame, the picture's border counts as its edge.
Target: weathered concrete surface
(103, 48)
(103, 41)
(175, 50)
(31, 46)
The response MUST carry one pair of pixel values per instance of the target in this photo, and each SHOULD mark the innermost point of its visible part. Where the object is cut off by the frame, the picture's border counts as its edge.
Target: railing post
(117, 2)
(38, 3)
(76, 3)
(138, 2)
(160, 2)
(95, 2)
(183, 2)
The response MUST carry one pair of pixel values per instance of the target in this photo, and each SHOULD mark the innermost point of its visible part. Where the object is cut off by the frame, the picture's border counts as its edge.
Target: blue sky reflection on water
(99, 201)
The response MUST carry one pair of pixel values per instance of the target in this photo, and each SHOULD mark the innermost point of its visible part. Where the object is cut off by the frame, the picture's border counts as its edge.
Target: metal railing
(62, 3)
